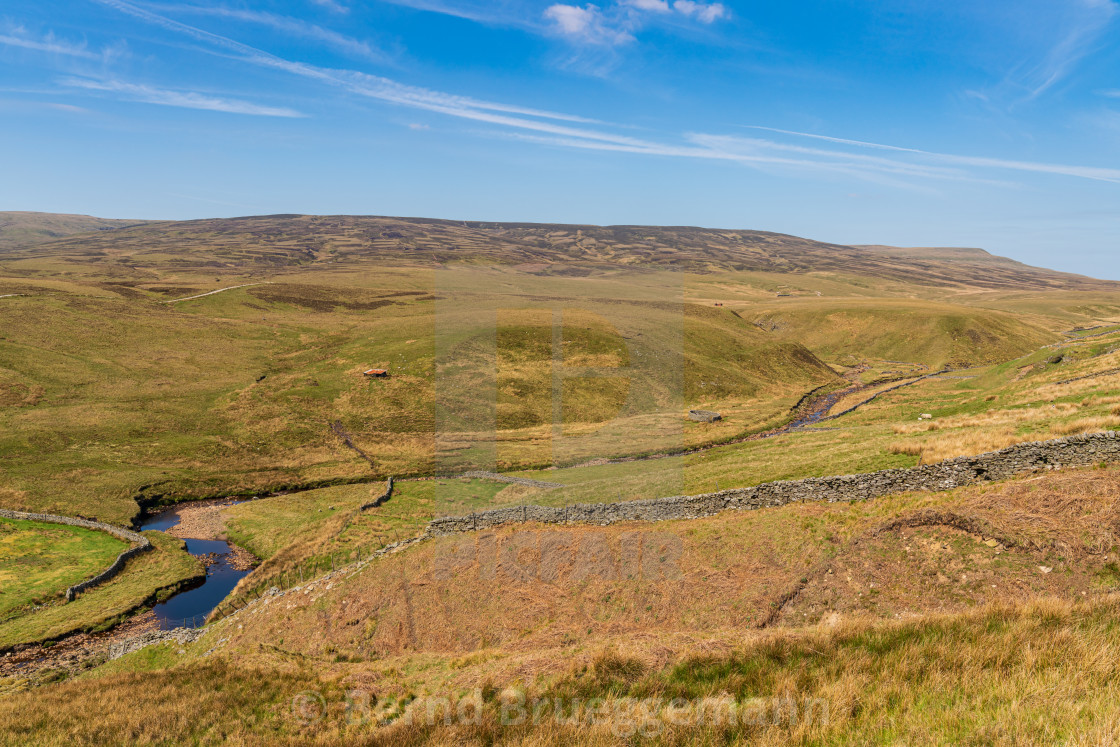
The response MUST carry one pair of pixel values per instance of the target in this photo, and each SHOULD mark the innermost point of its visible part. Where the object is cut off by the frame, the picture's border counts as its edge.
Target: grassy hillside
(1040, 673)
(107, 398)
(178, 360)
(500, 588)
(111, 388)
(263, 244)
(890, 634)
(935, 334)
(973, 411)
(23, 229)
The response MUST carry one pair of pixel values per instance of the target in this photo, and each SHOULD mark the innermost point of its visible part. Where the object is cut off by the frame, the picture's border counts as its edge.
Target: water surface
(189, 608)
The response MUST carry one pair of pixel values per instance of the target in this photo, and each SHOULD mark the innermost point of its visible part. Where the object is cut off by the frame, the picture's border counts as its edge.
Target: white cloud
(703, 12)
(605, 24)
(49, 44)
(587, 25)
(552, 128)
(1084, 172)
(702, 149)
(293, 26)
(1070, 31)
(853, 162)
(331, 5)
(618, 23)
(657, 6)
(480, 11)
(361, 83)
(182, 99)
(22, 105)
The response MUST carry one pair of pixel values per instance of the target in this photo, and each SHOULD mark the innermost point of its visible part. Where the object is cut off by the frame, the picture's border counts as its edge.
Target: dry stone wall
(139, 542)
(381, 499)
(182, 636)
(1075, 451)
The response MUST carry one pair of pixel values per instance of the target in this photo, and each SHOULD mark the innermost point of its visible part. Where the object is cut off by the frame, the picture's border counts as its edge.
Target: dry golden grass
(904, 448)
(968, 443)
(1017, 416)
(975, 433)
(1043, 672)
(1038, 673)
(522, 590)
(1097, 401)
(12, 498)
(961, 443)
(1086, 425)
(1055, 391)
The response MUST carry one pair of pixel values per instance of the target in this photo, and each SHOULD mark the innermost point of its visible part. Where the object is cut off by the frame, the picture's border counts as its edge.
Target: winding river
(189, 608)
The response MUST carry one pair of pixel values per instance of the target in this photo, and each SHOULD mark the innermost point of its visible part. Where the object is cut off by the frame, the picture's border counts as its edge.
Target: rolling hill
(143, 365)
(23, 229)
(260, 244)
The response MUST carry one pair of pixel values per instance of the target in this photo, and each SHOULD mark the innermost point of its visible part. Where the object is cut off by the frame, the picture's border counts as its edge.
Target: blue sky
(918, 123)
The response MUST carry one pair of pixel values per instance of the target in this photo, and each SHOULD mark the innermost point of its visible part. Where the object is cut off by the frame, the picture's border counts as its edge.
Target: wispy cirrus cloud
(364, 84)
(611, 23)
(1083, 172)
(657, 6)
(181, 99)
(703, 12)
(501, 13)
(294, 27)
(1069, 32)
(331, 5)
(893, 165)
(718, 148)
(1091, 19)
(21, 105)
(49, 44)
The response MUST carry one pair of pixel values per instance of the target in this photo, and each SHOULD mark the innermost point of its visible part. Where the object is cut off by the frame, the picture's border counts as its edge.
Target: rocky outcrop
(182, 636)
